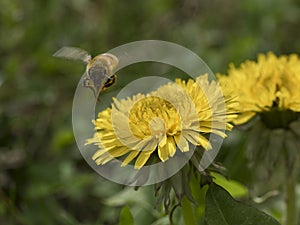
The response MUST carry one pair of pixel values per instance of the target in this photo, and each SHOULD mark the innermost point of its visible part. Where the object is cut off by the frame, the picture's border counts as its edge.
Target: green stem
(291, 176)
(188, 212)
(291, 203)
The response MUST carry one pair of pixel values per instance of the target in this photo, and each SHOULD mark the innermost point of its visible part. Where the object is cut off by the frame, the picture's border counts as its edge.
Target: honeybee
(99, 70)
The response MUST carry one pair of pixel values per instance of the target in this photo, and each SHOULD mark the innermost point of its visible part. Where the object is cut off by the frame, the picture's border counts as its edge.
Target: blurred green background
(43, 178)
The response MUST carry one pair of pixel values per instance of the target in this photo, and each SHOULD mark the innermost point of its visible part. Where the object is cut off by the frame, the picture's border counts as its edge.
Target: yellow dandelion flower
(159, 124)
(270, 84)
(270, 89)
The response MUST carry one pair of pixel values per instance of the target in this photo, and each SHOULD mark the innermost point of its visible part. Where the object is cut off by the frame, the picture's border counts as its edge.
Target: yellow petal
(196, 139)
(163, 141)
(130, 157)
(163, 152)
(204, 142)
(244, 117)
(145, 154)
(171, 146)
(117, 152)
(142, 159)
(182, 143)
(103, 159)
(99, 153)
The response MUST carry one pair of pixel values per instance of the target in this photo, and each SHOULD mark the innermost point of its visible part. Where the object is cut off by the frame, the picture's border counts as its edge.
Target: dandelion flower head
(270, 84)
(157, 125)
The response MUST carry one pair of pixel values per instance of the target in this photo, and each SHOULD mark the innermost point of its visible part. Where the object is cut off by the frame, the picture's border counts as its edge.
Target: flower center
(157, 127)
(279, 119)
(153, 116)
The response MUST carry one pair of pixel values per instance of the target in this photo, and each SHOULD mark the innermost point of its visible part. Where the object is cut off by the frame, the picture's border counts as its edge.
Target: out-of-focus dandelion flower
(269, 87)
(269, 90)
(162, 122)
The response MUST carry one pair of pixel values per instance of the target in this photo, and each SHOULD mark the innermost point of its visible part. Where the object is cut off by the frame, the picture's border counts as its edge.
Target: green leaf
(162, 221)
(221, 208)
(188, 212)
(234, 188)
(126, 217)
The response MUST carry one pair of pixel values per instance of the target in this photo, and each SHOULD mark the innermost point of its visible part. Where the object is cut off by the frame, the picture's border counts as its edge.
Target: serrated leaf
(126, 217)
(221, 208)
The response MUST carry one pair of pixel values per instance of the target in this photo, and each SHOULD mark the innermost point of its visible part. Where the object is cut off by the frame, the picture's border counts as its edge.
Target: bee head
(99, 72)
(95, 79)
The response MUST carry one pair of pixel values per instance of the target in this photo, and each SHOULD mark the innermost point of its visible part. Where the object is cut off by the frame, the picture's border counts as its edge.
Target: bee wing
(73, 53)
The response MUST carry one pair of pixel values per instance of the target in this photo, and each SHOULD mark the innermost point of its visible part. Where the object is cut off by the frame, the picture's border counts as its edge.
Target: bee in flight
(99, 70)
